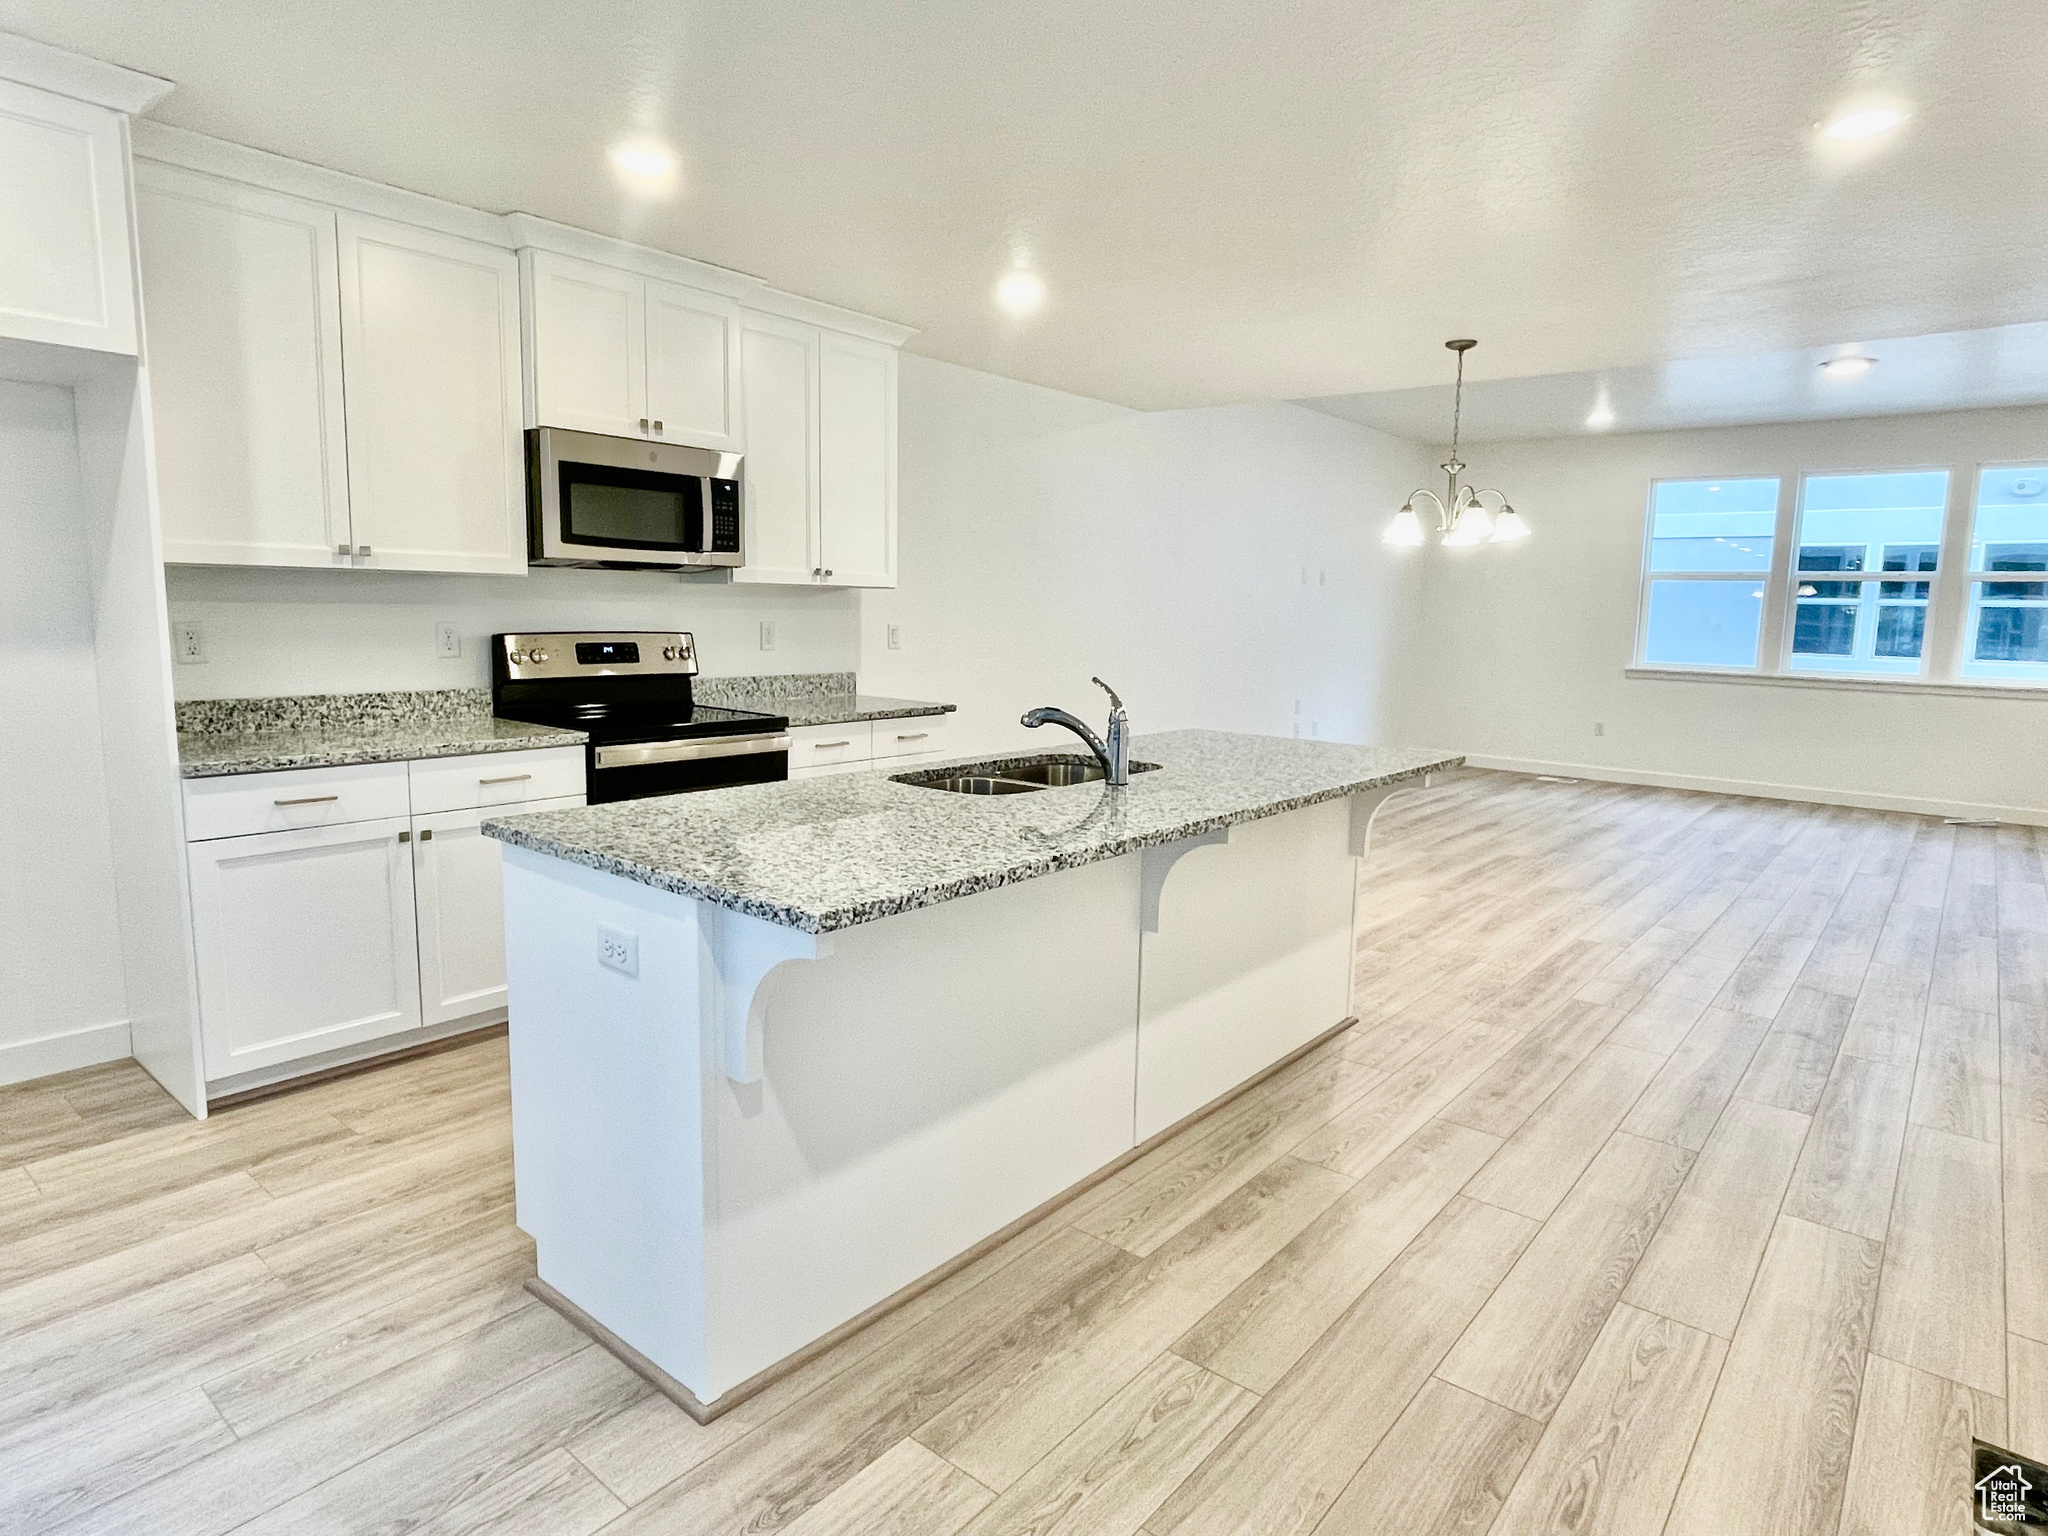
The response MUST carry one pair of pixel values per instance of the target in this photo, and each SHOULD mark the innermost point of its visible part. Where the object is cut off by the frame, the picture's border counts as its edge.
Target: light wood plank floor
(1686, 1171)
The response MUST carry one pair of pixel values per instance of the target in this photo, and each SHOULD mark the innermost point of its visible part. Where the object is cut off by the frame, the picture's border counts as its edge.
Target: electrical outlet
(895, 637)
(188, 642)
(1599, 727)
(618, 950)
(1322, 578)
(447, 642)
(767, 634)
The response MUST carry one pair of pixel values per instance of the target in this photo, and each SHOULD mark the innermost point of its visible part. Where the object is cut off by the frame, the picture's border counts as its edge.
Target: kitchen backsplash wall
(275, 632)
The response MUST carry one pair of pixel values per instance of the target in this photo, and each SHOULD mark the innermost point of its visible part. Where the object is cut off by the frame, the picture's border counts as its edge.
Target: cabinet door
(65, 273)
(430, 361)
(243, 296)
(856, 462)
(692, 366)
(459, 888)
(589, 337)
(778, 387)
(305, 942)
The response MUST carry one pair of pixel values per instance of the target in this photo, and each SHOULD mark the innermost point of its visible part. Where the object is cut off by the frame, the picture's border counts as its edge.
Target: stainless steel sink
(980, 784)
(1056, 775)
(1014, 775)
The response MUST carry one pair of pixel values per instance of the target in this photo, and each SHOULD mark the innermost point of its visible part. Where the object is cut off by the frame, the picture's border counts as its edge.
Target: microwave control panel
(725, 518)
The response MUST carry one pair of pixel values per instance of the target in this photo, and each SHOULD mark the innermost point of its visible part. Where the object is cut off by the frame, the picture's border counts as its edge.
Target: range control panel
(524, 658)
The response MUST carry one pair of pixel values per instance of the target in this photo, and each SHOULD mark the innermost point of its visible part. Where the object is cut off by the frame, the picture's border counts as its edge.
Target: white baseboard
(1915, 805)
(21, 1060)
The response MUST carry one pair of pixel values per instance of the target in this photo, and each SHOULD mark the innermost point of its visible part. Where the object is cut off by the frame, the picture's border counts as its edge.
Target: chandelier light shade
(1463, 514)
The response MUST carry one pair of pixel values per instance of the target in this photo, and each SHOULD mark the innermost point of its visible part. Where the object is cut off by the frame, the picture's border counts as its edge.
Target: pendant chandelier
(1463, 515)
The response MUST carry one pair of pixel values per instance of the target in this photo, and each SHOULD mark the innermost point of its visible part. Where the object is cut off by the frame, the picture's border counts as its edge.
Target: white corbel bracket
(1157, 862)
(1366, 803)
(743, 951)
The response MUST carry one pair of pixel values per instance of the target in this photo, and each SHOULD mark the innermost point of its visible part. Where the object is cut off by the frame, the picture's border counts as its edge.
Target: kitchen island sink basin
(1014, 775)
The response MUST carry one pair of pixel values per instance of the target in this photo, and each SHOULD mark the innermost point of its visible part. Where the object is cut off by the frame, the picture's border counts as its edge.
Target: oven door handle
(639, 754)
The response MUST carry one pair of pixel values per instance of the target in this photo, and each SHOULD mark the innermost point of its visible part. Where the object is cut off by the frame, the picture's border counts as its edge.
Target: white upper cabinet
(611, 351)
(820, 418)
(242, 300)
(779, 382)
(856, 461)
(692, 366)
(66, 278)
(430, 360)
(587, 327)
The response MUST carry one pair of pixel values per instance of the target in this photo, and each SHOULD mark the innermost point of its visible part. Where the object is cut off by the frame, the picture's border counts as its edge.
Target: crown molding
(64, 73)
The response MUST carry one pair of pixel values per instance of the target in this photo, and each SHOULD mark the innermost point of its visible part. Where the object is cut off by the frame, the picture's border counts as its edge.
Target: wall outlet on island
(447, 641)
(618, 950)
(767, 634)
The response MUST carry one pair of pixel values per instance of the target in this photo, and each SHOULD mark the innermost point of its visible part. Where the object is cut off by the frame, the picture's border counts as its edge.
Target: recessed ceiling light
(1020, 292)
(1867, 123)
(1847, 367)
(644, 160)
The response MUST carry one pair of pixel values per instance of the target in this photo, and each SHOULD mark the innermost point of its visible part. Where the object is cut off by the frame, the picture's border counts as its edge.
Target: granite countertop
(226, 736)
(810, 698)
(840, 708)
(830, 853)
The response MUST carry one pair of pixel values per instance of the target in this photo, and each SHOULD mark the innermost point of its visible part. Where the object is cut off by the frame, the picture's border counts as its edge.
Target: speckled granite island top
(225, 736)
(830, 853)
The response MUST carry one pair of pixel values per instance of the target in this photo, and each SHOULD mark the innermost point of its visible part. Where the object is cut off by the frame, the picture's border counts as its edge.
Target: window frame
(1646, 576)
(1788, 598)
(1946, 638)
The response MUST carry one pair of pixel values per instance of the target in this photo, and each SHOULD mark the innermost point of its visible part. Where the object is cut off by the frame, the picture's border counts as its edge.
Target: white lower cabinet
(459, 892)
(347, 935)
(305, 942)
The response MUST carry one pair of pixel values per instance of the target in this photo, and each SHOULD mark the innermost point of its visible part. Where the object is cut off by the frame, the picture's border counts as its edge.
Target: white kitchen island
(780, 1053)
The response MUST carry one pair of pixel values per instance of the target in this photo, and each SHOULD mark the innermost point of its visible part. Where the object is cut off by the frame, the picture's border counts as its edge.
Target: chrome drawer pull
(510, 778)
(405, 837)
(912, 735)
(307, 800)
(426, 834)
(825, 745)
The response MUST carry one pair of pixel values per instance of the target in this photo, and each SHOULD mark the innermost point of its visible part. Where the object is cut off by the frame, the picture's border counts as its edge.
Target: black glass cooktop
(667, 720)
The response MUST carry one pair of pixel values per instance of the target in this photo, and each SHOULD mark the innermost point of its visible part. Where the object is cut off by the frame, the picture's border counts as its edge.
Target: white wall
(280, 631)
(1045, 537)
(61, 997)
(1215, 565)
(1518, 652)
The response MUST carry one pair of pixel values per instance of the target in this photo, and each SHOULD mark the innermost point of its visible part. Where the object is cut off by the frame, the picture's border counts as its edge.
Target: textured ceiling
(1300, 197)
(1960, 370)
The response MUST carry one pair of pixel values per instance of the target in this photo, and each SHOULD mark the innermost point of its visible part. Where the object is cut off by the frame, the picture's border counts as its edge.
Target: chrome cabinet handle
(307, 800)
(822, 745)
(657, 426)
(405, 837)
(426, 834)
(828, 571)
(643, 423)
(341, 549)
(510, 778)
(363, 550)
(912, 735)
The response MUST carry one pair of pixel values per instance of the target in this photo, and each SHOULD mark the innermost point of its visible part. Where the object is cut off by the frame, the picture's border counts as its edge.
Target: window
(2006, 636)
(1708, 563)
(1858, 534)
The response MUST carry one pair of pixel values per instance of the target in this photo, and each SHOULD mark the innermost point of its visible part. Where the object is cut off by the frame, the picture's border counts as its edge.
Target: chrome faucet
(1115, 754)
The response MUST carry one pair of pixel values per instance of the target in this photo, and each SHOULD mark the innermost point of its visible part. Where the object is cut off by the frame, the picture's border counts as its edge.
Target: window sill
(1918, 685)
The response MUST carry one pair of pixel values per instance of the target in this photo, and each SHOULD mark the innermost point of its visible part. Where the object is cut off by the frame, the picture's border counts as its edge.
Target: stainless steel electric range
(633, 693)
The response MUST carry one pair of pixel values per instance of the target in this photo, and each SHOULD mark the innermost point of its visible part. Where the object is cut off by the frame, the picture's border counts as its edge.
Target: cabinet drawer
(817, 746)
(236, 805)
(488, 780)
(914, 736)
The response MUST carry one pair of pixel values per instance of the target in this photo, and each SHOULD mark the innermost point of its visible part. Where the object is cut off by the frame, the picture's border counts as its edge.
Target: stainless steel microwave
(622, 502)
